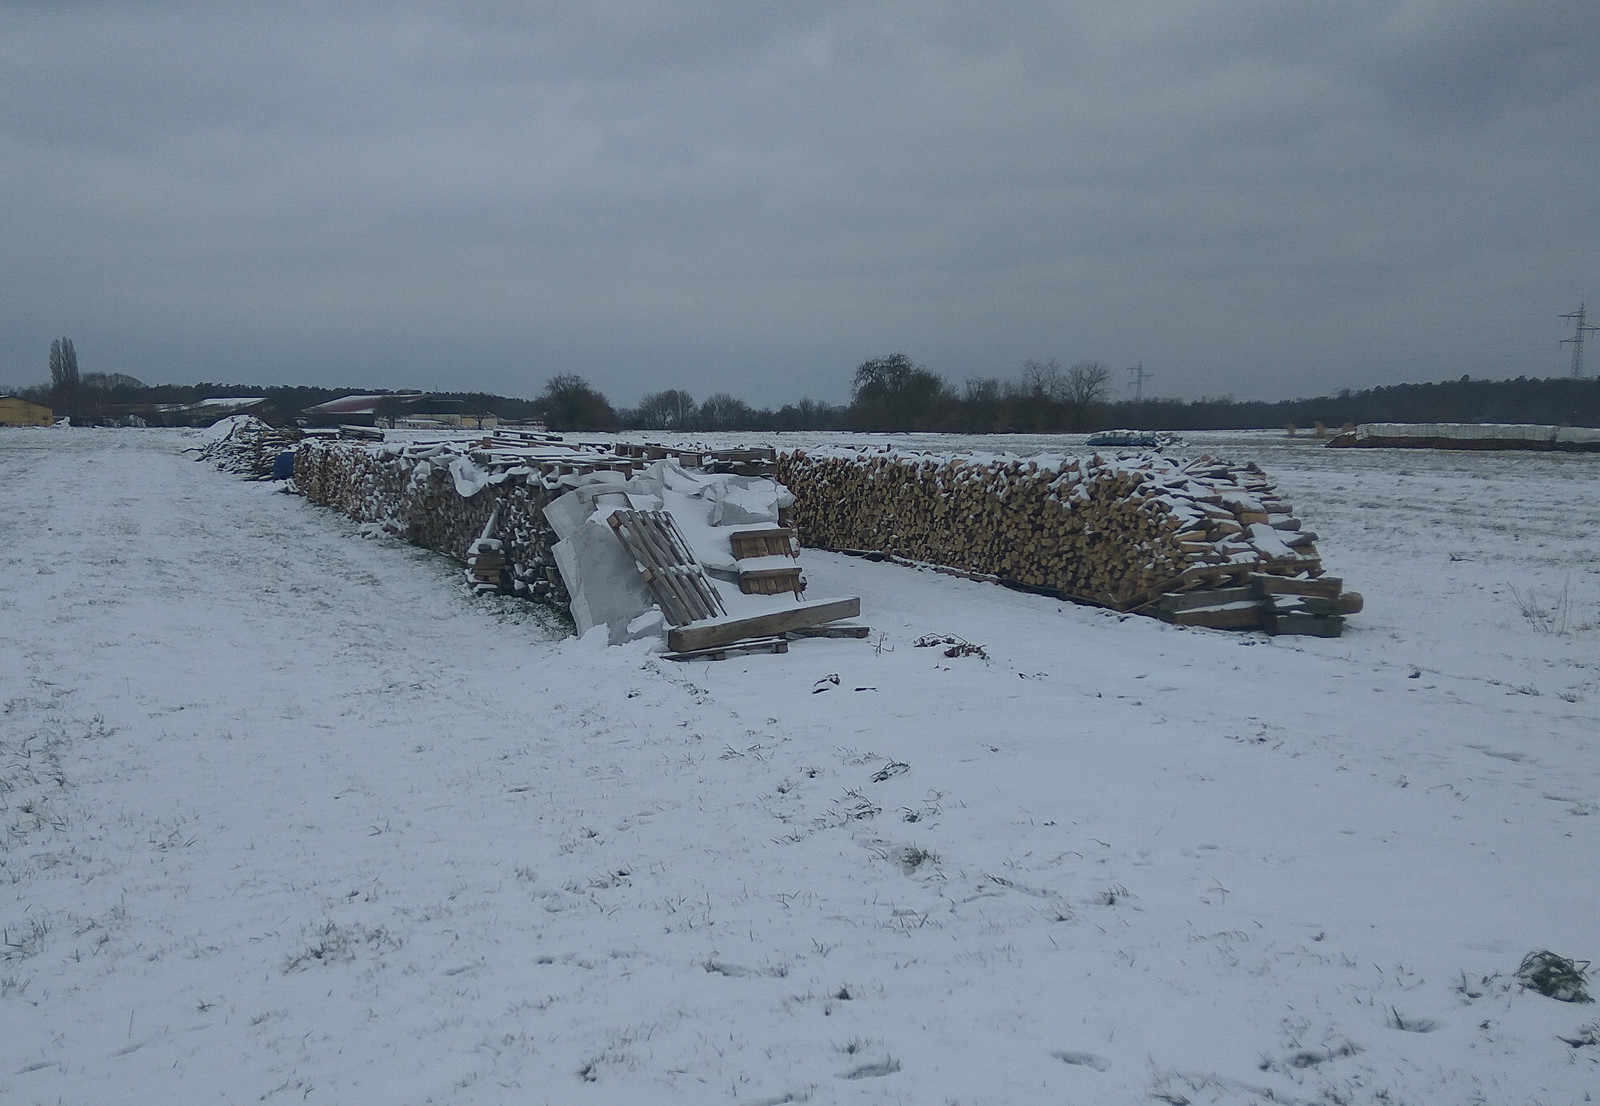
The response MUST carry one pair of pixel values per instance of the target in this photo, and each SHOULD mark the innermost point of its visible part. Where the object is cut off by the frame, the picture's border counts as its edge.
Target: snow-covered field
(289, 816)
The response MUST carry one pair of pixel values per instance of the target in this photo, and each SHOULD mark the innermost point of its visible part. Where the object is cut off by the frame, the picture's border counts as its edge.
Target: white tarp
(601, 577)
(1518, 432)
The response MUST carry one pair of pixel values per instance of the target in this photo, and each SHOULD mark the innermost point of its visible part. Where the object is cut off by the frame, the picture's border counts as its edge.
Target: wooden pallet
(770, 581)
(776, 541)
(668, 566)
(779, 541)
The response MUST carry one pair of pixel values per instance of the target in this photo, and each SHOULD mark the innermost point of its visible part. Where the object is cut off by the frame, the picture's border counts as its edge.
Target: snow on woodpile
(1466, 435)
(532, 518)
(246, 445)
(441, 495)
(1121, 531)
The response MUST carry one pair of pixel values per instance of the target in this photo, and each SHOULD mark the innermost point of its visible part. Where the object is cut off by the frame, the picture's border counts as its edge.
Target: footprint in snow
(1082, 1059)
(874, 1070)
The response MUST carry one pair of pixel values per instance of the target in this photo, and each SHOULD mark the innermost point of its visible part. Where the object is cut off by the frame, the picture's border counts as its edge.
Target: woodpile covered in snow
(246, 445)
(441, 495)
(530, 515)
(1126, 532)
(1470, 435)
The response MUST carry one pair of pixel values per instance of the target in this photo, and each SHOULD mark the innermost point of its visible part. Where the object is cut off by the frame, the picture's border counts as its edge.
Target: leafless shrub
(1554, 619)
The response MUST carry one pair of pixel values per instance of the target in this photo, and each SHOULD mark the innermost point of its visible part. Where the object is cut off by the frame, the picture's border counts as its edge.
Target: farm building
(430, 413)
(355, 410)
(16, 411)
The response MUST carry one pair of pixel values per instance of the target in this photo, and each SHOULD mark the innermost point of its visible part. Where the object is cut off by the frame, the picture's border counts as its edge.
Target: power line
(1579, 329)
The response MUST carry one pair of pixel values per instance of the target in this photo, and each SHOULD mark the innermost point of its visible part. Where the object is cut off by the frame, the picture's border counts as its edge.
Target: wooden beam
(724, 631)
(1305, 625)
(1326, 586)
(1243, 617)
(1210, 597)
(830, 631)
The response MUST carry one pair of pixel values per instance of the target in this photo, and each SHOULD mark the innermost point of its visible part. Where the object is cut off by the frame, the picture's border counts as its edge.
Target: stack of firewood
(1123, 532)
(409, 490)
(250, 448)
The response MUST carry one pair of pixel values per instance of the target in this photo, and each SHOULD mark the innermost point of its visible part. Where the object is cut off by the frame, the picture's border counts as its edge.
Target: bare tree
(1087, 383)
(1044, 380)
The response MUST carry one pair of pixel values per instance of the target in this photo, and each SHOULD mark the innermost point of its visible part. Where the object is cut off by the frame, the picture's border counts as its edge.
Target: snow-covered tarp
(604, 581)
(1472, 435)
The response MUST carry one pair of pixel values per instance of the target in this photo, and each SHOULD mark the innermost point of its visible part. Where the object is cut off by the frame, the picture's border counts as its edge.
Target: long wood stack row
(1124, 532)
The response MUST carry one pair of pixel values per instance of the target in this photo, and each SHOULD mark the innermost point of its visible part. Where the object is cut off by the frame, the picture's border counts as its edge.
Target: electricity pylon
(1579, 329)
(1140, 376)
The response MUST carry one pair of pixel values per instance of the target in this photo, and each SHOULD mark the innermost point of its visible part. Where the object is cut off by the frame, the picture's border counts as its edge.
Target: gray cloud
(1258, 199)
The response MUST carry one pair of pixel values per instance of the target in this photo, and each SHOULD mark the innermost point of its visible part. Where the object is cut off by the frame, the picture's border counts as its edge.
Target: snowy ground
(288, 816)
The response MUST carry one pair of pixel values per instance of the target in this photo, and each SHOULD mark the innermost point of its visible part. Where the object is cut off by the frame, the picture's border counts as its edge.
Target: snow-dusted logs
(247, 445)
(442, 496)
(1118, 531)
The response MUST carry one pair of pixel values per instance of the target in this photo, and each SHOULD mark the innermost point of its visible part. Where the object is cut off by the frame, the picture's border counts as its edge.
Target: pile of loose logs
(1124, 532)
(250, 447)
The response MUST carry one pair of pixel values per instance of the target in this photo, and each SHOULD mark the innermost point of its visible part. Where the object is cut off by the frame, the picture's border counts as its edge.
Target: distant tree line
(894, 394)
(891, 394)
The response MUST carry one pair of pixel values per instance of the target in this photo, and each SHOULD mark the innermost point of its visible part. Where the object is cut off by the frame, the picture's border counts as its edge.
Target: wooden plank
(723, 652)
(725, 631)
(833, 631)
(1349, 602)
(1210, 597)
(1220, 618)
(1328, 586)
(1305, 625)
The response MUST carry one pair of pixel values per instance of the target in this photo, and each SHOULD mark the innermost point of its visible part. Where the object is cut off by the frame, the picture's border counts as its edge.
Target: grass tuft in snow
(1407, 1024)
(1555, 976)
(17, 943)
(337, 944)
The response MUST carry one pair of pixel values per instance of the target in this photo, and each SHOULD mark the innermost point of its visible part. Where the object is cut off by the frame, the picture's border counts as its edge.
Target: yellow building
(19, 412)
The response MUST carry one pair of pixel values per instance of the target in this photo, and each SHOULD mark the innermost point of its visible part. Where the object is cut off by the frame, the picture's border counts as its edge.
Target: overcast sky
(1262, 199)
